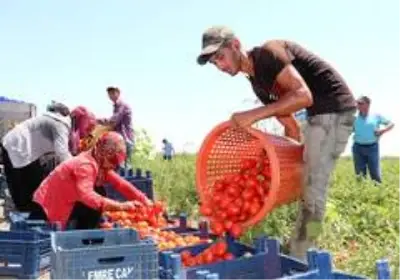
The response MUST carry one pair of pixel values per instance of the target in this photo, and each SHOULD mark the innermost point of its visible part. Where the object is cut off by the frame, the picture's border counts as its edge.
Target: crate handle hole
(111, 260)
(93, 241)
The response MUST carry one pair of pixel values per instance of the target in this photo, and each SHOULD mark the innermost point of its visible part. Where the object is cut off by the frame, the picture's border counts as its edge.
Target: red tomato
(219, 185)
(254, 209)
(185, 255)
(233, 210)
(206, 210)
(220, 248)
(238, 202)
(221, 215)
(243, 217)
(228, 224)
(224, 203)
(254, 172)
(248, 193)
(246, 206)
(208, 257)
(217, 228)
(217, 198)
(229, 256)
(267, 173)
(252, 182)
(191, 262)
(236, 230)
(233, 191)
(248, 164)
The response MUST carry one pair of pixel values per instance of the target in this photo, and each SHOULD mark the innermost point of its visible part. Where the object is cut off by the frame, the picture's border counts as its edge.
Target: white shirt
(31, 139)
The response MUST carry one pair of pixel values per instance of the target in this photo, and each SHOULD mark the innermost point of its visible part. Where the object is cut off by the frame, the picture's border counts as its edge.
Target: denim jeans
(367, 156)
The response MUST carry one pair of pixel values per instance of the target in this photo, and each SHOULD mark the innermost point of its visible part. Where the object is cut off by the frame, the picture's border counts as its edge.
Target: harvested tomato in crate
(243, 174)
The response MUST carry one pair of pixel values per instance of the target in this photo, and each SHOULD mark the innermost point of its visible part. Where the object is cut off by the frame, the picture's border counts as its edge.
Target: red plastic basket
(226, 145)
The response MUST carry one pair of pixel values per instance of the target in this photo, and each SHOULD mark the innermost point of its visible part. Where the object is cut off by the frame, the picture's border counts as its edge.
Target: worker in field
(121, 122)
(33, 148)
(287, 77)
(368, 129)
(168, 150)
(74, 181)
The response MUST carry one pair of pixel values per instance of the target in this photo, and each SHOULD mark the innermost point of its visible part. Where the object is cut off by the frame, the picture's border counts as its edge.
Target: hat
(364, 99)
(212, 40)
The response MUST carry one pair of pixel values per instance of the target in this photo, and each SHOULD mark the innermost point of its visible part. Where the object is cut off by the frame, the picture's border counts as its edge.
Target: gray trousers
(325, 138)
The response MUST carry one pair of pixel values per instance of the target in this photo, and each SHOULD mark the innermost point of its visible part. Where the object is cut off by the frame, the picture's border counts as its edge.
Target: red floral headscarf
(109, 150)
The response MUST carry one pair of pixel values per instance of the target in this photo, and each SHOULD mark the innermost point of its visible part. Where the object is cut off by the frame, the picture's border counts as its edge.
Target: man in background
(168, 150)
(368, 128)
(121, 122)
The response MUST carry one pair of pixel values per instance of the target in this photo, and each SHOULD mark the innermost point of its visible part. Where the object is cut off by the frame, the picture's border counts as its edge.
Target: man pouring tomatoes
(287, 78)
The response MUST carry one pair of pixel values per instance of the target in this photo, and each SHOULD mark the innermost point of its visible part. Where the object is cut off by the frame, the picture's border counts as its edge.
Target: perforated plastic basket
(226, 145)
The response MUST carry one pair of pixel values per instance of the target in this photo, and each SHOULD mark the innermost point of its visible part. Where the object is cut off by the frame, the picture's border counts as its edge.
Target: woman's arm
(84, 175)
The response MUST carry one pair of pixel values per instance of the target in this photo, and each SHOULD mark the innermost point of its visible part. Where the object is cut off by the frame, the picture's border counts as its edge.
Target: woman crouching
(74, 181)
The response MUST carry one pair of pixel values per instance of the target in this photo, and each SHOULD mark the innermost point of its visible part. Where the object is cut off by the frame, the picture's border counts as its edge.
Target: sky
(70, 51)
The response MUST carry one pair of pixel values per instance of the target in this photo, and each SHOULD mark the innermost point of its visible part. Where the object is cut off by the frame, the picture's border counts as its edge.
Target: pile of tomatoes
(148, 221)
(237, 197)
(217, 252)
(152, 215)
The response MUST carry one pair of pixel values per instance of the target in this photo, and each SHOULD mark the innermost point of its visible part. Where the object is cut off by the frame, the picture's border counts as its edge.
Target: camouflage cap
(212, 40)
(364, 99)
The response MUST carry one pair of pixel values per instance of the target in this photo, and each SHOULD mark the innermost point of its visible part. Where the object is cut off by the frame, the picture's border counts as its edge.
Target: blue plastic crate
(103, 254)
(19, 221)
(265, 262)
(320, 267)
(143, 183)
(183, 228)
(24, 254)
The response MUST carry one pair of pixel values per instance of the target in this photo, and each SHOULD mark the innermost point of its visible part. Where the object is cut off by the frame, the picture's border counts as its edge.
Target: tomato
(224, 203)
(217, 198)
(248, 164)
(246, 206)
(208, 257)
(252, 182)
(229, 256)
(254, 172)
(267, 173)
(233, 191)
(236, 178)
(217, 228)
(233, 210)
(254, 209)
(236, 230)
(260, 190)
(221, 215)
(205, 210)
(243, 217)
(191, 262)
(238, 202)
(228, 224)
(248, 193)
(218, 185)
(220, 248)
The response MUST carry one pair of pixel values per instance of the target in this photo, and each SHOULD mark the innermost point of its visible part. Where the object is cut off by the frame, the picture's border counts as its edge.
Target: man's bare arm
(294, 95)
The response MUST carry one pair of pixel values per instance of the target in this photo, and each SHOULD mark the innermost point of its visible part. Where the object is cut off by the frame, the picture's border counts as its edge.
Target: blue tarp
(4, 99)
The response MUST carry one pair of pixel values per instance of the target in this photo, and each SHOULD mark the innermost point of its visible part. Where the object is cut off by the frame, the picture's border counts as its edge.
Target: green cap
(213, 39)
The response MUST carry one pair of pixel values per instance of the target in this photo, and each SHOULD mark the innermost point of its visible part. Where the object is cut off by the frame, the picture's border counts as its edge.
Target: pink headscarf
(83, 123)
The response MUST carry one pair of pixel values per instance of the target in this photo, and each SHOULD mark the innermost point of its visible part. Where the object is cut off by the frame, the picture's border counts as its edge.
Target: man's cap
(364, 99)
(212, 40)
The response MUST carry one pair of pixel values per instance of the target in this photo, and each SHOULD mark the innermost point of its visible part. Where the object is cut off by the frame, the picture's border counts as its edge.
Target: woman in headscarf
(83, 122)
(74, 181)
(33, 148)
